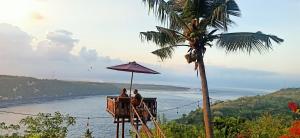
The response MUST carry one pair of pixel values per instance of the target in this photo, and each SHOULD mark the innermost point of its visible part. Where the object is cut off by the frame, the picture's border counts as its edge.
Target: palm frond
(166, 14)
(221, 11)
(166, 52)
(160, 8)
(231, 7)
(172, 33)
(247, 42)
(195, 9)
(177, 4)
(163, 37)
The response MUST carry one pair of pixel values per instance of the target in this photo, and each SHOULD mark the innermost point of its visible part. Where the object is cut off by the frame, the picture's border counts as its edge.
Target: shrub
(265, 126)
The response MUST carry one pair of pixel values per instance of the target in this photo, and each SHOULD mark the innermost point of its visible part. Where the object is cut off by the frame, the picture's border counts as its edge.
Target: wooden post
(123, 135)
(117, 133)
(137, 127)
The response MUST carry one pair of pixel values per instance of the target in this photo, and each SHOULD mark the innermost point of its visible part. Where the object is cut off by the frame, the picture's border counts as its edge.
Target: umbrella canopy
(133, 67)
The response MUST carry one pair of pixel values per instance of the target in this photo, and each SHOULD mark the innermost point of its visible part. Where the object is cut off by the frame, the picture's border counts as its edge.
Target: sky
(77, 39)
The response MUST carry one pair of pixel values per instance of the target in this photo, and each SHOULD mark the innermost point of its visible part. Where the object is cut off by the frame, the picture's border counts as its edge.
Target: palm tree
(196, 24)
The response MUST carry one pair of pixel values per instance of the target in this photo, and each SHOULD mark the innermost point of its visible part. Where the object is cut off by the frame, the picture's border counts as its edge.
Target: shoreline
(40, 100)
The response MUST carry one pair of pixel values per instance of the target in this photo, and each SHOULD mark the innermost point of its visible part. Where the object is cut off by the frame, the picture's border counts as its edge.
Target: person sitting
(137, 98)
(123, 93)
(123, 106)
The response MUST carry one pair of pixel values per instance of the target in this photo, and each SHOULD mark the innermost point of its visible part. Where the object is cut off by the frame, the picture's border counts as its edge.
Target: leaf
(221, 11)
(247, 42)
(166, 52)
(164, 36)
(166, 14)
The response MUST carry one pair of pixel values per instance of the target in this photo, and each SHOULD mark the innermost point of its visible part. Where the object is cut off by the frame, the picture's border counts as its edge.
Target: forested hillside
(12, 87)
(15, 87)
(266, 116)
(250, 107)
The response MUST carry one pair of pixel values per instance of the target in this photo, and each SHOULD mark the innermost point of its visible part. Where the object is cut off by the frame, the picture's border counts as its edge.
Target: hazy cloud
(88, 54)
(14, 43)
(52, 59)
(58, 45)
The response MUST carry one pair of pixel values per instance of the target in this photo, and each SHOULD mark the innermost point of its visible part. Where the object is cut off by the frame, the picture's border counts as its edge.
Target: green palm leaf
(166, 52)
(246, 41)
(195, 9)
(221, 10)
(166, 14)
(164, 37)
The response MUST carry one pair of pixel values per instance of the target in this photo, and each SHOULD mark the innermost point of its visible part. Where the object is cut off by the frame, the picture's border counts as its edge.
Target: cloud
(57, 46)
(52, 59)
(14, 43)
(62, 37)
(88, 54)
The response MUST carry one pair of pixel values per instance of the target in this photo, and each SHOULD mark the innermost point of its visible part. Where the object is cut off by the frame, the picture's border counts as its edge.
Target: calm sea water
(94, 106)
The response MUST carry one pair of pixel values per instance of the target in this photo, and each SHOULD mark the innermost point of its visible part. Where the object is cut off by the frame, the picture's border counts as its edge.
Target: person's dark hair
(135, 91)
(124, 90)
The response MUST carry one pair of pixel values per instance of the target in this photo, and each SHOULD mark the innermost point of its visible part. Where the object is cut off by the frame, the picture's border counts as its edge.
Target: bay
(171, 104)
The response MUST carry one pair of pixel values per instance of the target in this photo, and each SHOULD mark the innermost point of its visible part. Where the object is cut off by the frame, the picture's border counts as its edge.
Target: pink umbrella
(133, 67)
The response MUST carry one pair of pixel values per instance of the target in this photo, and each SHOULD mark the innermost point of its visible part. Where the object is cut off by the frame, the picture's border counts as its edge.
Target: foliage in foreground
(264, 116)
(250, 108)
(294, 130)
(266, 126)
(44, 125)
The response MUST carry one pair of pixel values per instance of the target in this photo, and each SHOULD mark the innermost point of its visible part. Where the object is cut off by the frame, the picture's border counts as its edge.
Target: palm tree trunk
(206, 101)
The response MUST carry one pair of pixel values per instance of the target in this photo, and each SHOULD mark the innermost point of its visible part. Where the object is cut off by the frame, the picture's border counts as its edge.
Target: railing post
(123, 136)
(117, 133)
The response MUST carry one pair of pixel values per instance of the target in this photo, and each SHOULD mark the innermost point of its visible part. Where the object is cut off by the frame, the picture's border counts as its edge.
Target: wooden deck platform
(123, 111)
(118, 107)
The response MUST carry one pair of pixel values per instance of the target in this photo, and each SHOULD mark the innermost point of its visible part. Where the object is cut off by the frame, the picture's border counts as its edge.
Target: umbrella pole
(130, 114)
(131, 84)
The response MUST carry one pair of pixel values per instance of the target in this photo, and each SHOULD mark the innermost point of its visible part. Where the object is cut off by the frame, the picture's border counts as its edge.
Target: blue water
(94, 106)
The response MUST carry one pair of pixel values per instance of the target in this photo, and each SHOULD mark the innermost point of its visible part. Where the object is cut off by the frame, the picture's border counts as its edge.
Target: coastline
(38, 100)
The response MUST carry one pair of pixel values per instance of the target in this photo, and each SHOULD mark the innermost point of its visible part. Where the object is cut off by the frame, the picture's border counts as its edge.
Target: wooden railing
(121, 108)
(134, 128)
(159, 132)
(145, 128)
(111, 106)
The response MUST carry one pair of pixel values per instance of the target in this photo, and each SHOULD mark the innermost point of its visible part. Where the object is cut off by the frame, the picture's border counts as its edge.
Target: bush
(227, 126)
(265, 126)
(40, 126)
(175, 130)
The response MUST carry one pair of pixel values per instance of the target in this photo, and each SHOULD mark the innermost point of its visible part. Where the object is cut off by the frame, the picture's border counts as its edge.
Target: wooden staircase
(142, 114)
(123, 111)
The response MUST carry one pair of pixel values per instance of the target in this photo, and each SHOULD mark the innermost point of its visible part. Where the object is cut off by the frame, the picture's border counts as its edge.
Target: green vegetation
(252, 107)
(12, 87)
(264, 116)
(265, 126)
(40, 126)
(18, 90)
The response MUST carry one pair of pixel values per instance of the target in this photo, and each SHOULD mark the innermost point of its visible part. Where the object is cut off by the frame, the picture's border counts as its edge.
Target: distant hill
(250, 107)
(274, 103)
(23, 89)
